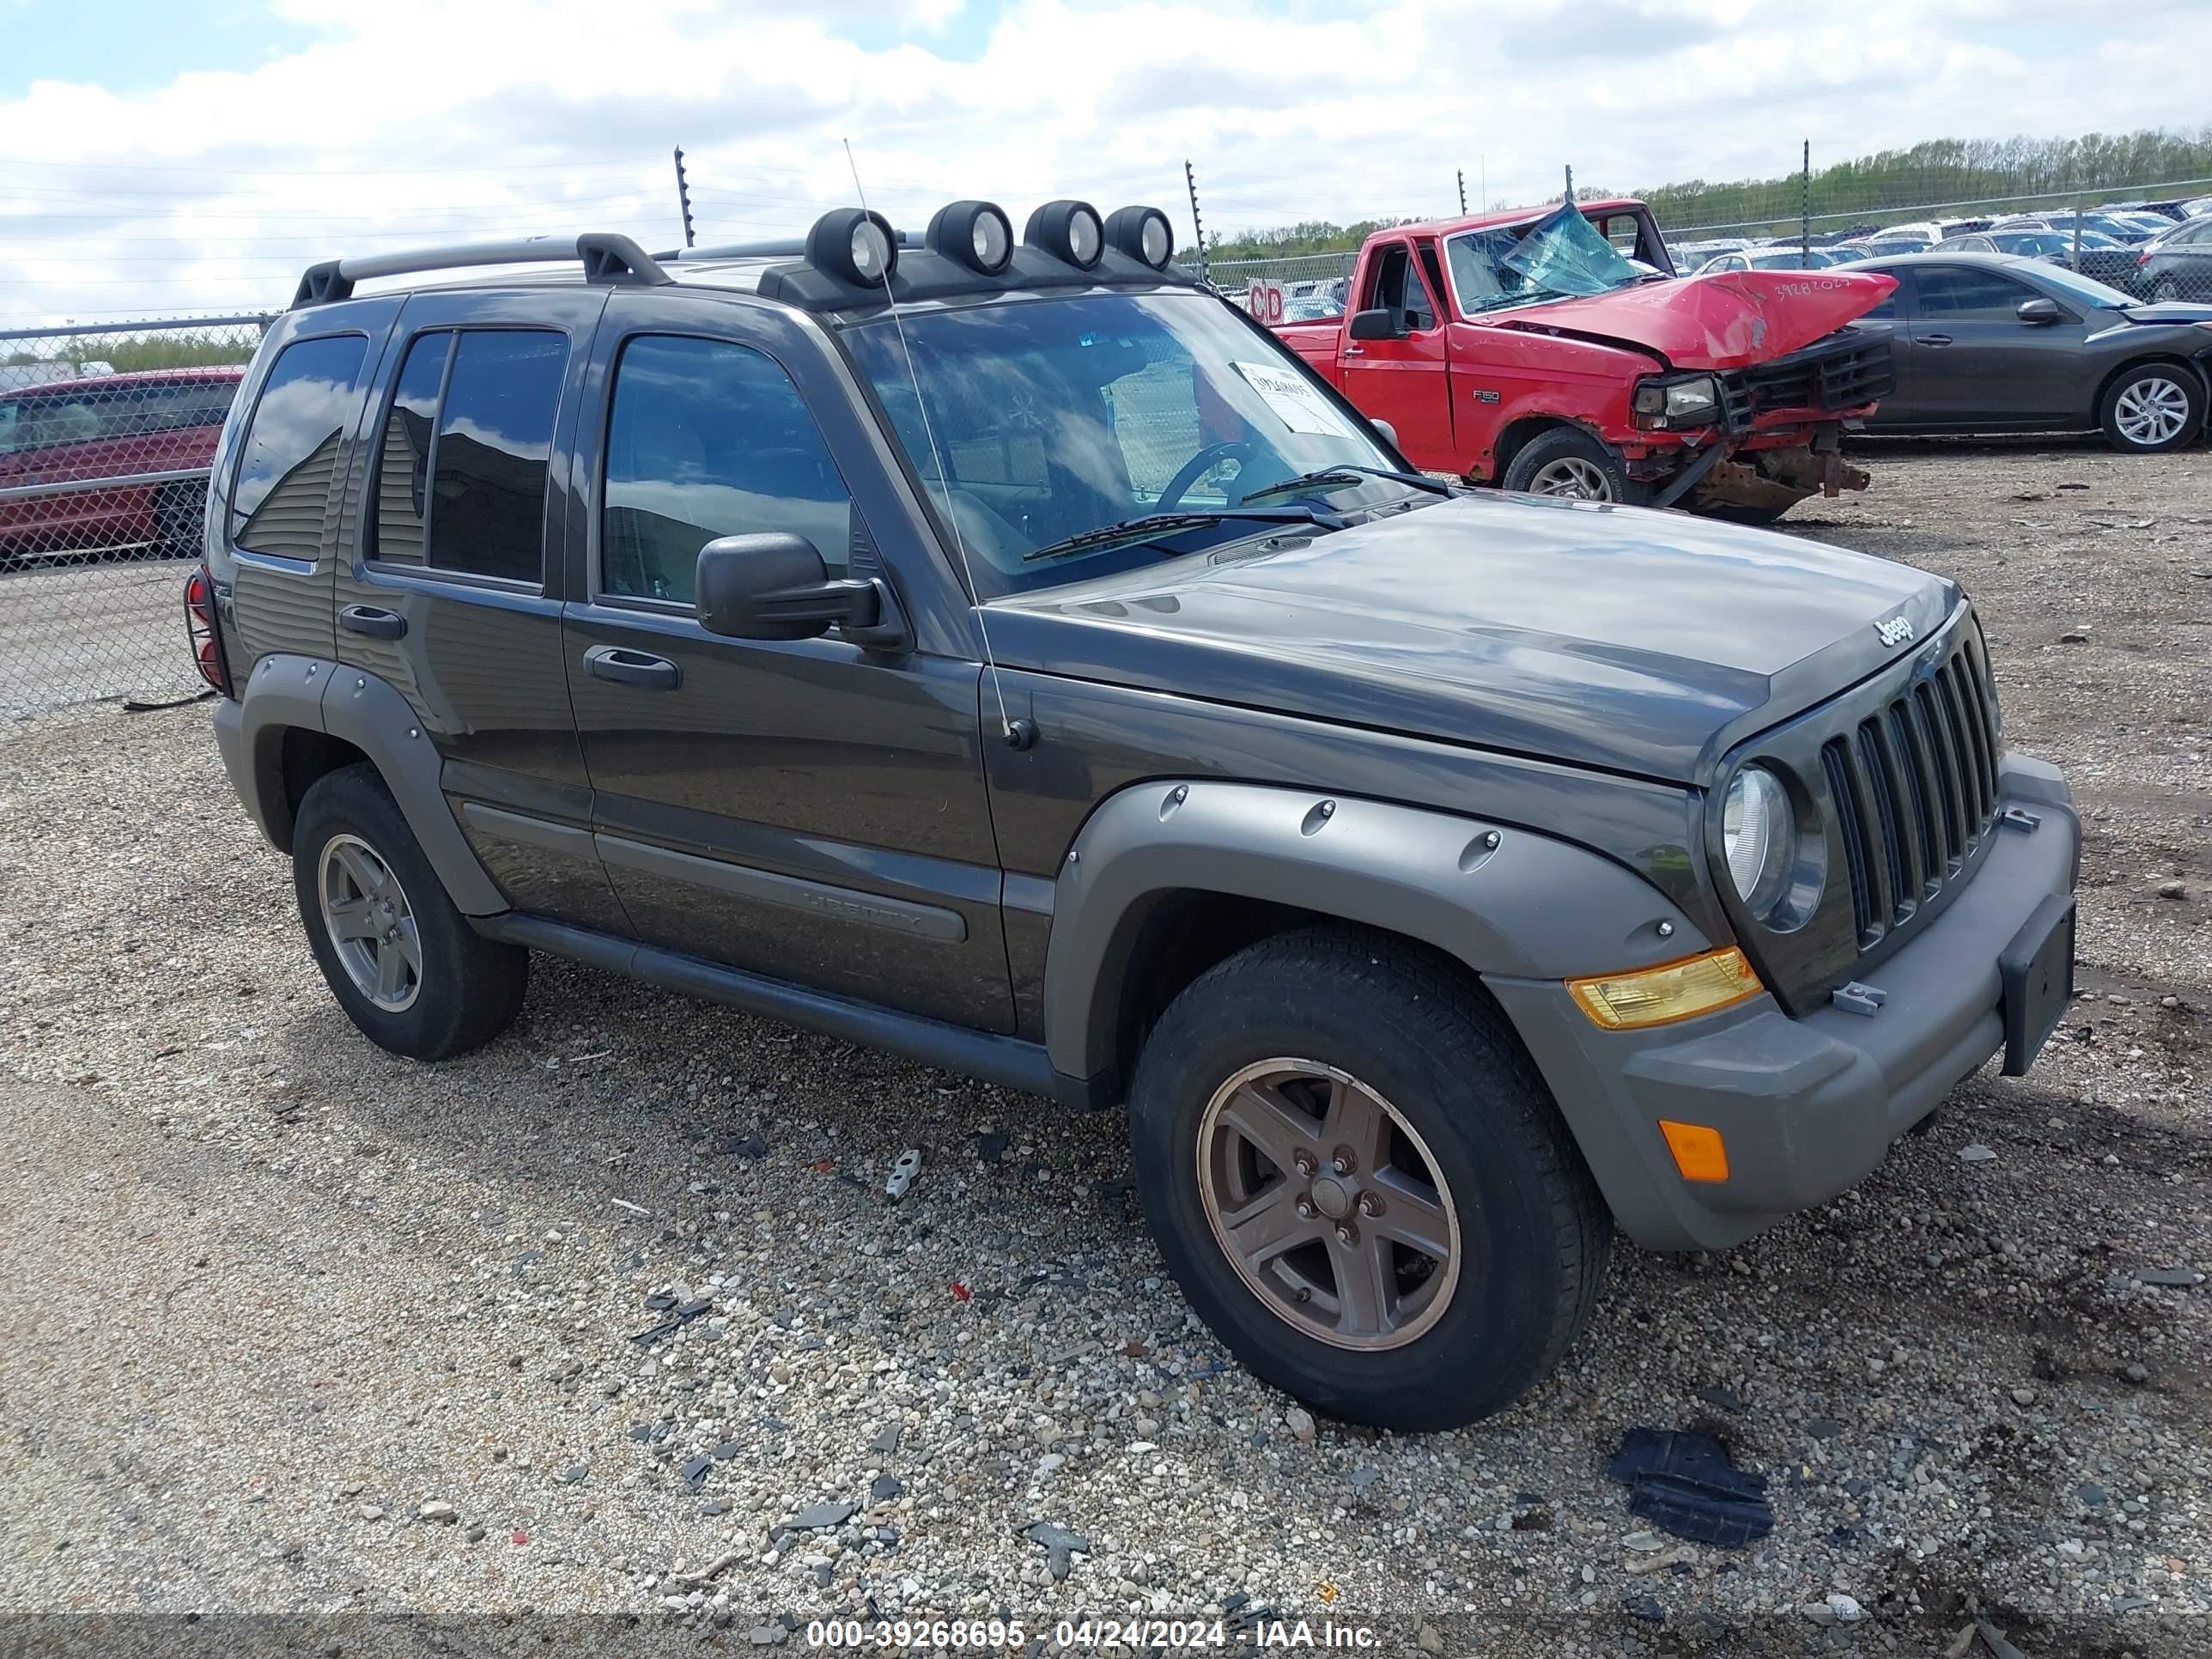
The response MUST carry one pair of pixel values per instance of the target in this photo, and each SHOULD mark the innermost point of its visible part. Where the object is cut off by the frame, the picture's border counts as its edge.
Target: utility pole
(1197, 225)
(1461, 175)
(1482, 180)
(1805, 222)
(1570, 185)
(683, 197)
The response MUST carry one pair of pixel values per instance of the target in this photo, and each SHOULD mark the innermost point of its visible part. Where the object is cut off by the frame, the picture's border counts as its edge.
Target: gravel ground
(623, 1291)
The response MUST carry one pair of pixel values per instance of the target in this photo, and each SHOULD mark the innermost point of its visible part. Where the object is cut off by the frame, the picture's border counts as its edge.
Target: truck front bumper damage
(1805, 1105)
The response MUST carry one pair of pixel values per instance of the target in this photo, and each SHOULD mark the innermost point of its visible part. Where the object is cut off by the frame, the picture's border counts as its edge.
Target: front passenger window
(706, 439)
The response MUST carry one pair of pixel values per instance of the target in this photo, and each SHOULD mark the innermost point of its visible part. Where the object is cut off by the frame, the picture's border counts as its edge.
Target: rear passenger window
(707, 438)
(291, 446)
(461, 473)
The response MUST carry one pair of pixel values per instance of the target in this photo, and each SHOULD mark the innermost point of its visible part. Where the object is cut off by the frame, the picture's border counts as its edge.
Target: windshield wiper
(1152, 526)
(1336, 477)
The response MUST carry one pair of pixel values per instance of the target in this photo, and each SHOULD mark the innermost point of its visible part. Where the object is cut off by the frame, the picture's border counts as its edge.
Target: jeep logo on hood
(1896, 631)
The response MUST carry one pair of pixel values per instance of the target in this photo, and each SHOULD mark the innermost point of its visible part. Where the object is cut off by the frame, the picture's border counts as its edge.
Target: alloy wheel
(2152, 410)
(1572, 476)
(371, 925)
(1329, 1204)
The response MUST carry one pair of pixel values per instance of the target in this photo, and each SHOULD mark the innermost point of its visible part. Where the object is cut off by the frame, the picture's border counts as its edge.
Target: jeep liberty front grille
(1915, 789)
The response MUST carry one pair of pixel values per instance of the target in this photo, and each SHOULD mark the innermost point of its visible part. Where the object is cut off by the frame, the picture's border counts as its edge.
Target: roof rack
(784, 247)
(607, 257)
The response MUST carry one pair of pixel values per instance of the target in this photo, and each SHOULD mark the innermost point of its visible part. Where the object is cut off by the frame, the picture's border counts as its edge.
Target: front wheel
(1362, 1184)
(1568, 461)
(2153, 408)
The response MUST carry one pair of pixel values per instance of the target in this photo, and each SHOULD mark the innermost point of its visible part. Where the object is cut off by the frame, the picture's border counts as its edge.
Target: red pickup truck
(1554, 350)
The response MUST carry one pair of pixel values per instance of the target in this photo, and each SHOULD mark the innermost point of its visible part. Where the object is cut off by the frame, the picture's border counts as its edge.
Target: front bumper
(1806, 1106)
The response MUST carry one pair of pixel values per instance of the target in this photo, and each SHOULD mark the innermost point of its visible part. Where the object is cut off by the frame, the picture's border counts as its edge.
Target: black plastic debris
(1683, 1483)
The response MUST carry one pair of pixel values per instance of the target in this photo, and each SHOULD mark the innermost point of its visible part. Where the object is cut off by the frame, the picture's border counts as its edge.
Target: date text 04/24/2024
(1176, 1634)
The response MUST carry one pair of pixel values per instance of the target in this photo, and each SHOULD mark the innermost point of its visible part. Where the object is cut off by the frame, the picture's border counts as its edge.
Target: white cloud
(418, 120)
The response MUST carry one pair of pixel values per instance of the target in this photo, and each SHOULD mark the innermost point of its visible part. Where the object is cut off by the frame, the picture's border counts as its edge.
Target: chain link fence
(106, 434)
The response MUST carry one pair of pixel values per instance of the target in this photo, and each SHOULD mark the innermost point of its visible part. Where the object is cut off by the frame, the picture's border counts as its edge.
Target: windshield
(1056, 417)
(1560, 256)
(2084, 288)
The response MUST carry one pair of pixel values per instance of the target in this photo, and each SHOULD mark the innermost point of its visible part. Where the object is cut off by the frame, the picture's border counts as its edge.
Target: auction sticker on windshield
(1296, 404)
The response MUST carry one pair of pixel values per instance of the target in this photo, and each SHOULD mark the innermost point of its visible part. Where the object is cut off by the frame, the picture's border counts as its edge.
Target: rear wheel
(1568, 461)
(2165, 290)
(179, 521)
(2154, 408)
(402, 963)
(1361, 1183)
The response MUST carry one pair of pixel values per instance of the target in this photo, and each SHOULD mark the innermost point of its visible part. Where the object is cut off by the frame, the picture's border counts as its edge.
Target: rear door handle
(624, 666)
(376, 622)
(1935, 339)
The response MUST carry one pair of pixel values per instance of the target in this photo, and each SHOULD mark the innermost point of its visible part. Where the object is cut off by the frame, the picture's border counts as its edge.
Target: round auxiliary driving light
(977, 234)
(853, 246)
(1069, 231)
(1142, 232)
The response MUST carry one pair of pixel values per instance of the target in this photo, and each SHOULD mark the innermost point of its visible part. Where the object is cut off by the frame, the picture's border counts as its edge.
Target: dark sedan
(2097, 255)
(2178, 264)
(1987, 343)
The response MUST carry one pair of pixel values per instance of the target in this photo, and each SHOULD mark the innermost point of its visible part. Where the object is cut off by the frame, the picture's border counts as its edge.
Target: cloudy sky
(163, 155)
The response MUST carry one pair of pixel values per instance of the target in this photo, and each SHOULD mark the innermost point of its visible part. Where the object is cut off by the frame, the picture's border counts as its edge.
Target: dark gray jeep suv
(1005, 653)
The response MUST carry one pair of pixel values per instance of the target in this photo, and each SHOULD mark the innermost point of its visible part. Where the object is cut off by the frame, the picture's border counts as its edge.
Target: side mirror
(1389, 433)
(775, 587)
(2039, 310)
(1379, 324)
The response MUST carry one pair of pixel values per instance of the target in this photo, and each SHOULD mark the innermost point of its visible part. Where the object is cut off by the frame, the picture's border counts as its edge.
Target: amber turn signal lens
(1700, 1152)
(1677, 990)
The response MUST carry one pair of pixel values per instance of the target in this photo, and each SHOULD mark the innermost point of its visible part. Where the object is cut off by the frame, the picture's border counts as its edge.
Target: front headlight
(1759, 836)
(1692, 402)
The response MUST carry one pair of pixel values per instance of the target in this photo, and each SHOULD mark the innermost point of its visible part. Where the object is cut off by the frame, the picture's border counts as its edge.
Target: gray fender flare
(1500, 899)
(286, 692)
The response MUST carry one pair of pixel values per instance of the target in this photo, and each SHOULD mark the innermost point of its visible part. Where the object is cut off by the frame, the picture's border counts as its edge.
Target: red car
(1554, 350)
(101, 448)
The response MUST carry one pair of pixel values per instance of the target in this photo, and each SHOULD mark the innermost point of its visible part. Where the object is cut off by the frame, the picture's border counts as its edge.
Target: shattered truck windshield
(1561, 256)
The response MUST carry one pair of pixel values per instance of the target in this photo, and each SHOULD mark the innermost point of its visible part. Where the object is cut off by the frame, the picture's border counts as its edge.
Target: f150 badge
(1896, 631)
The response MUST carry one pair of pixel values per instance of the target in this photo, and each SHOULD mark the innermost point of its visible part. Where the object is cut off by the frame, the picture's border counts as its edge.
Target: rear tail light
(200, 629)
(2143, 258)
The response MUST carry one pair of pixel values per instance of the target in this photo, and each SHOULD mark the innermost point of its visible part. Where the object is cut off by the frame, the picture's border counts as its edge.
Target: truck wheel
(2153, 408)
(179, 521)
(1566, 461)
(1361, 1183)
(402, 963)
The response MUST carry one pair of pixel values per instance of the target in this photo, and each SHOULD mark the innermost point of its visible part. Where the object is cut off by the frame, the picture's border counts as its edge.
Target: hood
(1730, 319)
(2167, 311)
(1636, 641)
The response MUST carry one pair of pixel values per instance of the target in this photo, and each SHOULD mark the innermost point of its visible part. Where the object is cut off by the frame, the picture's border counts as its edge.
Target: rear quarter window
(289, 451)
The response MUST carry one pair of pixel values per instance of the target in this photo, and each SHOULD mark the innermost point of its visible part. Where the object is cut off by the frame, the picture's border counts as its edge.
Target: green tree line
(129, 356)
(1888, 185)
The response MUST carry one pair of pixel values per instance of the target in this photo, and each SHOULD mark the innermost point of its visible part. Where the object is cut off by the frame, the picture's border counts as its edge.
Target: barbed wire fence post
(1805, 211)
(1197, 224)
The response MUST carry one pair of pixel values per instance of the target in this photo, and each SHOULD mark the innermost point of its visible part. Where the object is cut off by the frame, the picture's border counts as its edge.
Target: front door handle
(624, 666)
(1935, 339)
(1355, 351)
(373, 621)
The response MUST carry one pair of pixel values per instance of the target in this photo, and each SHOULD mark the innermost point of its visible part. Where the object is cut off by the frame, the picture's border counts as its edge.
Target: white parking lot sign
(1265, 301)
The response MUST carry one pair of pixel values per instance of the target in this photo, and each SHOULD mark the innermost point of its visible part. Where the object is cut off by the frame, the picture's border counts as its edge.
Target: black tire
(1419, 1035)
(1561, 447)
(2165, 290)
(2142, 377)
(179, 521)
(469, 987)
